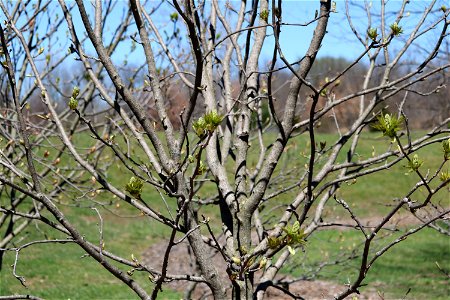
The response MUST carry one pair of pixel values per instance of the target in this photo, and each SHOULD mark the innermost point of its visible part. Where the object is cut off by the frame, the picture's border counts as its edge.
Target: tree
(230, 153)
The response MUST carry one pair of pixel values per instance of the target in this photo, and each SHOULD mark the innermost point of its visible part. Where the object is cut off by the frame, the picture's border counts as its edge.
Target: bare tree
(231, 133)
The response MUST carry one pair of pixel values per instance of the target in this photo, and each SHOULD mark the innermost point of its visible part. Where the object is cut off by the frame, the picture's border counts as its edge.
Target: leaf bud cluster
(134, 187)
(207, 124)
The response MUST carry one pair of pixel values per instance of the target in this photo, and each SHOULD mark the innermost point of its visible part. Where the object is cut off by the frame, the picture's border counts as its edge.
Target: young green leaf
(291, 250)
(372, 33)
(75, 92)
(414, 164)
(264, 15)
(396, 30)
(134, 187)
(389, 125)
(73, 103)
(444, 176)
(446, 147)
(207, 124)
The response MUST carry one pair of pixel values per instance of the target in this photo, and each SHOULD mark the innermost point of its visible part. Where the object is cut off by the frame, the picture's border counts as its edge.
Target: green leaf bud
(396, 30)
(291, 250)
(207, 124)
(75, 92)
(389, 125)
(414, 164)
(262, 262)
(446, 147)
(134, 187)
(202, 168)
(444, 176)
(236, 260)
(174, 17)
(372, 33)
(73, 103)
(264, 15)
(199, 127)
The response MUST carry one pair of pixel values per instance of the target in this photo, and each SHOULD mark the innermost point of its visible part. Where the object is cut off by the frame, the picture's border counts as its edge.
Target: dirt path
(182, 262)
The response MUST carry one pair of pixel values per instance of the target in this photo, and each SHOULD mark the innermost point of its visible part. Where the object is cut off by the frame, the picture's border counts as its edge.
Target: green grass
(58, 271)
(55, 271)
(373, 194)
(64, 275)
(410, 264)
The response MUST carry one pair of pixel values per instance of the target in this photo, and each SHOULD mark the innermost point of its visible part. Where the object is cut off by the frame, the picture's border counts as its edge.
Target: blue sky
(294, 40)
(339, 42)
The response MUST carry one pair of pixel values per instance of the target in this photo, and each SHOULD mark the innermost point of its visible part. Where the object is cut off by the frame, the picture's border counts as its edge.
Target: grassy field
(411, 265)
(59, 271)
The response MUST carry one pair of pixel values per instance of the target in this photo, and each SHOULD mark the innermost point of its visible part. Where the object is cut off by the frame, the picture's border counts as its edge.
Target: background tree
(229, 144)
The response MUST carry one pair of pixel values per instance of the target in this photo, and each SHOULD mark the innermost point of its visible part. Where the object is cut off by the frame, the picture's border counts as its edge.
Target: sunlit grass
(56, 271)
(410, 265)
